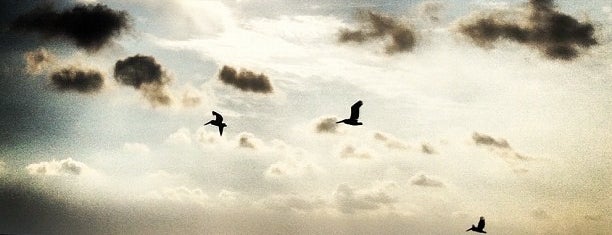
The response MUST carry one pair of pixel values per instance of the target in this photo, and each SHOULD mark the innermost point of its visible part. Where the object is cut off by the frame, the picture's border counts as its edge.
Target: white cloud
(62, 167)
(180, 137)
(249, 141)
(291, 168)
(349, 151)
(421, 179)
(350, 200)
(293, 202)
(191, 97)
(390, 141)
(180, 194)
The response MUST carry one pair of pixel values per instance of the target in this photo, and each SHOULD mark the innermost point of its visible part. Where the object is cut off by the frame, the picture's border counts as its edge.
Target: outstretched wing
(481, 223)
(355, 110)
(218, 117)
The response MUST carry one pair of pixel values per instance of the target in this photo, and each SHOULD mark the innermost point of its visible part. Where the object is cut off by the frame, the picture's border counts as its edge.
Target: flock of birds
(353, 120)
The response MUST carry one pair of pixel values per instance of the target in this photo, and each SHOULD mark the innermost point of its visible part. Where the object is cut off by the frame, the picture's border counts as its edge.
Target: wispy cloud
(376, 26)
(37, 61)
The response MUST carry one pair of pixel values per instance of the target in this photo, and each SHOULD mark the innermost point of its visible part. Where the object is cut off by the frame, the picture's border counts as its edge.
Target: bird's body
(217, 122)
(480, 227)
(353, 120)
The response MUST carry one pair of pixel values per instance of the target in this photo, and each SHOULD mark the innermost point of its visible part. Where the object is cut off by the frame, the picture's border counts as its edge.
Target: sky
(470, 108)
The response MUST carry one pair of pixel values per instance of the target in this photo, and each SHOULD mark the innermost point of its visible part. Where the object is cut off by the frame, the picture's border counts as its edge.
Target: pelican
(354, 115)
(480, 227)
(217, 122)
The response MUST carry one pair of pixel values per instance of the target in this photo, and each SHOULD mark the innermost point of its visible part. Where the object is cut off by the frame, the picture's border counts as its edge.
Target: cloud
(180, 195)
(249, 141)
(430, 10)
(77, 80)
(426, 181)
(191, 97)
(483, 139)
(294, 203)
(350, 200)
(539, 214)
(245, 80)
(326, 125)
(501, 146)
(554, 34)
(146, 75)
(89, 26)
(180, 137)
(292, 168)
(38, 60)
(62, 167)
(205, 137)
(427, 149)
(390, 141)
(349, 151)
(375, 26)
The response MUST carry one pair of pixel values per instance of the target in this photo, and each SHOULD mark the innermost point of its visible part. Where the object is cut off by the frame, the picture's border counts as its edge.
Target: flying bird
(354, 115)
(217, 122)
(480, 228)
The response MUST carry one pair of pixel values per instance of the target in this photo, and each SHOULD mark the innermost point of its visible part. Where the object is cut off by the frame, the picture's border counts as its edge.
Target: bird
(354, 115)
(480, 228)
(217, 122)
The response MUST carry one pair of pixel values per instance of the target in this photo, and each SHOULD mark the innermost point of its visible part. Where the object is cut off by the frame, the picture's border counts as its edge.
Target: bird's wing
(218, 117)
(221, 130)
(355, 110)
(481, 223)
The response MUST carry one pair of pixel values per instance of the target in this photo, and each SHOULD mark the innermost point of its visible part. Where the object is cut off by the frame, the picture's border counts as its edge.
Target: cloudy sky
(470, 108)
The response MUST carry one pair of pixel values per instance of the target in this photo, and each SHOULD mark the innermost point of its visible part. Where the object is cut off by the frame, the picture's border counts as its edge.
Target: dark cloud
(146, 75)
(483, 139)
(76, 79)
(245, 80)
(555, 34)
(427, 149)
(500, 146)
(248, 140)
(90, 26)
(326, 125)
(400, 37)
(38, 60)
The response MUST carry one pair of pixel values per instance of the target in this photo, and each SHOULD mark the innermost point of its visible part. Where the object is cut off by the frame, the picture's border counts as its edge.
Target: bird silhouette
(480, 228)
(354, 115)
(217, 122)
